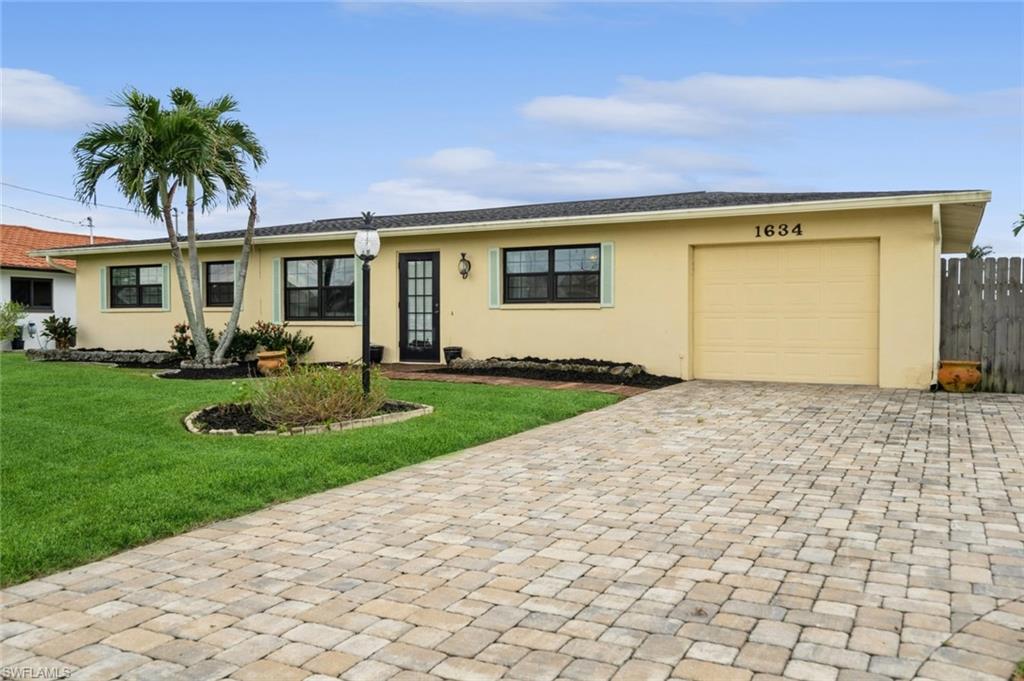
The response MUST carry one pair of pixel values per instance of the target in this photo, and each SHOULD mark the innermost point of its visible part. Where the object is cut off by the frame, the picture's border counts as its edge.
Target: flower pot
(958, 375)
(376, 354)
(271, 361)
(17, 344)
(452, 352)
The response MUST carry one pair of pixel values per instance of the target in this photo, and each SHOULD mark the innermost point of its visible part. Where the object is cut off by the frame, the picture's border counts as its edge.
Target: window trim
(207, 282)
(112, 299)
(32, 307)
(320, 288)
(551, 275)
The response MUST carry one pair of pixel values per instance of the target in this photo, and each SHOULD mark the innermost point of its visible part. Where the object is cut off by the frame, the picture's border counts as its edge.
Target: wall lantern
(464, 266)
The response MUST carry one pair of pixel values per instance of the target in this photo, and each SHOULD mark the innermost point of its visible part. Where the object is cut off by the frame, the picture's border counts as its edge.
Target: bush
(311, 395)
(242, 345)
(11, 315)
(271, 336)
(183, 344)
(60, 330)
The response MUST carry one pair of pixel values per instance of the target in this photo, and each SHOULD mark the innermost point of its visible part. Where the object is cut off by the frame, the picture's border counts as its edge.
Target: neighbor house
(808, 287)
(45, 285)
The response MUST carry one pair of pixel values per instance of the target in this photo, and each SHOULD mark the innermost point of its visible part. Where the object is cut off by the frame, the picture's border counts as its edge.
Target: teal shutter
(104, 290)
(608, 274)
(165, 287)
(276, 293)
(357, 290)
(494, 278)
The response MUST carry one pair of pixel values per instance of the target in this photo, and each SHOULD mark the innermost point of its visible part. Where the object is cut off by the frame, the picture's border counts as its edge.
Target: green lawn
(94, 459)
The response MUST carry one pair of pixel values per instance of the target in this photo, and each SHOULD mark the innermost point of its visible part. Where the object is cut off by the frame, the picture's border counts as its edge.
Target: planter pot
(959, 376)
(376, 354)
(17, 344)
(271, 361)
(452, 352)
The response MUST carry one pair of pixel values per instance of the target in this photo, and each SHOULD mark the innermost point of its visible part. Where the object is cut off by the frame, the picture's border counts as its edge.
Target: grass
(96, 460)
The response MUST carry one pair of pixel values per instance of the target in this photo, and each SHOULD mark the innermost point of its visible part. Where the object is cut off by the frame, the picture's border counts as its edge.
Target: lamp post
(367, 246)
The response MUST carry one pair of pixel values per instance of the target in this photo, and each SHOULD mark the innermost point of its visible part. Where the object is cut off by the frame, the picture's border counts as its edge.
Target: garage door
(798, 312)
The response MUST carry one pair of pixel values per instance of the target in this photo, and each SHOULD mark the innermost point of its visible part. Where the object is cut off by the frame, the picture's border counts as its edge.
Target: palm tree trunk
(243, 269)
(199, 322)
(166, 198)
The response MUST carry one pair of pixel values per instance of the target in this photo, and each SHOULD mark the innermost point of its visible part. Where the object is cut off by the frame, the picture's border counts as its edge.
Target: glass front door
(419, 308)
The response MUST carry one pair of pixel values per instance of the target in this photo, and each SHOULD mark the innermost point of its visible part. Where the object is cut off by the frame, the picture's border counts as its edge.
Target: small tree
(979, 252)
(11, 315)
(155, 152)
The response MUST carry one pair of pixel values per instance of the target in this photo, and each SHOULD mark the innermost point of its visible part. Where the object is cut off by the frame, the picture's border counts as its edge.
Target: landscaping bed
(232, 371)
(579, 370)
(238, 419)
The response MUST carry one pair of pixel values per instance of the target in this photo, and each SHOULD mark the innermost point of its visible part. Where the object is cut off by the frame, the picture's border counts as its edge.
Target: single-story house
(44, 285)
(807, 287)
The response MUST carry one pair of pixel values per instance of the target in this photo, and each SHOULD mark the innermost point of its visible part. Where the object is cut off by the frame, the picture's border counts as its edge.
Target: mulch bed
(239, 417)
(641, 380)
(242, 370)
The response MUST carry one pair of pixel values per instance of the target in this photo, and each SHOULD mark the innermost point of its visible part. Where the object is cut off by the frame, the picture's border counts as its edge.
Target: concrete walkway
(708, 531)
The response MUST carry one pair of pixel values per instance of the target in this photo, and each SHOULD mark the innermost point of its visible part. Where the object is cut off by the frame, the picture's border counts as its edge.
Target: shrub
(60, 330)
(271, 336)
(11, 315)
(183, 344)
(243, 343)
(311, 395)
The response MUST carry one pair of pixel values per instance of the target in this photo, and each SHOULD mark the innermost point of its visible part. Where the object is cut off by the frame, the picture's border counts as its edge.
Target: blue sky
(433, 106)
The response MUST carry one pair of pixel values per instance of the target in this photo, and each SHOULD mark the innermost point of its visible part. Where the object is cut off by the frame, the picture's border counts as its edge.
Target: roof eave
(575, 220)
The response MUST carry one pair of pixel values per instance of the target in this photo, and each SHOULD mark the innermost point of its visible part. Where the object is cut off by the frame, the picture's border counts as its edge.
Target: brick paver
(703, 531)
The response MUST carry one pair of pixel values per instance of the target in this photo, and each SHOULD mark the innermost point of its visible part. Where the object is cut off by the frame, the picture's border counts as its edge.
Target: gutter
(575, 220)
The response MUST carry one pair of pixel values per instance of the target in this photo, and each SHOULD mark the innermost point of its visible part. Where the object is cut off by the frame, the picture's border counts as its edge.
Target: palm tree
(1019, 225)
(156, 151)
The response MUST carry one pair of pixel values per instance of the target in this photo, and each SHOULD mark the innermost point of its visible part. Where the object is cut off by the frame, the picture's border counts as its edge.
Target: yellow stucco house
(806, 287)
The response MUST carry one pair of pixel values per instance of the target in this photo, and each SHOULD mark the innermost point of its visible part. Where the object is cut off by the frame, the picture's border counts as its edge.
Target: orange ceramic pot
(958, 375)
(271, 361)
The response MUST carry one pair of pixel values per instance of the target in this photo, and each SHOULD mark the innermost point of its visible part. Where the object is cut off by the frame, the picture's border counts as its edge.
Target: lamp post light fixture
(367, 246)
(464, 266)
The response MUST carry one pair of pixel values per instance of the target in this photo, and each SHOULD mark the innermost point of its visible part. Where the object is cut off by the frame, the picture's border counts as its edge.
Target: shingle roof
(635, 204)
(17, 240)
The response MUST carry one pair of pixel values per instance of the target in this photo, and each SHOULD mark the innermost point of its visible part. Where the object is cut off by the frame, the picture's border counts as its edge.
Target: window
(567, 274)
(137, 286)
(35, 294)
(220, 284)
(320, 288)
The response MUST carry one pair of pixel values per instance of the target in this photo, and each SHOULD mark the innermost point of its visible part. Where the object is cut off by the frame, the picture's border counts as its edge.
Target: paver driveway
(705, 531)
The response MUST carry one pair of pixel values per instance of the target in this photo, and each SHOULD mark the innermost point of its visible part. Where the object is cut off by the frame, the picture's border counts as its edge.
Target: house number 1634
(778, 230)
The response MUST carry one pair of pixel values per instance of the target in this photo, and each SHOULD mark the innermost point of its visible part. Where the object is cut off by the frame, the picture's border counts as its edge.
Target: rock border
(337, 426)
(100, 356)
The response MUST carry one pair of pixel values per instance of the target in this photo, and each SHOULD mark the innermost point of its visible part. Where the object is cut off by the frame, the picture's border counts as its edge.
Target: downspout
(60, 268)
(937, 293)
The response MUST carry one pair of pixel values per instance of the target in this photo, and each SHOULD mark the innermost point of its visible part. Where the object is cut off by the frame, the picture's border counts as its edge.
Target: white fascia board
(570, 221)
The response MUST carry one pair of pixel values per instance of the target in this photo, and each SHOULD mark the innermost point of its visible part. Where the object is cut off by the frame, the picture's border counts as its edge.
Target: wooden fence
(983, 318)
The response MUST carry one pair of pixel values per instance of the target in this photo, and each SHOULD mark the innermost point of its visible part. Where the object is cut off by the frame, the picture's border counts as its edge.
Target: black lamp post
(367, 246)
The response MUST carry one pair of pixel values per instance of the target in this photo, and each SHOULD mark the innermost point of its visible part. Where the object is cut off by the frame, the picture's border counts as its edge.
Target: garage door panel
(787, 312)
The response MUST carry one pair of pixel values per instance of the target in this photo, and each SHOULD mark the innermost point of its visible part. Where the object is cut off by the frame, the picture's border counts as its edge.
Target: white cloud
(795, 95)
(414, 195)
(38, 100)
(709, 104)
(458, 160)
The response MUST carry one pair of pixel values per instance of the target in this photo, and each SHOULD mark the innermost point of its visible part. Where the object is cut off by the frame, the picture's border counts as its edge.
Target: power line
(65, 198)
(42, 215)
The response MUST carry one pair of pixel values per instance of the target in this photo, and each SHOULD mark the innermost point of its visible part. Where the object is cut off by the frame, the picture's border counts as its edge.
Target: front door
(419, 308)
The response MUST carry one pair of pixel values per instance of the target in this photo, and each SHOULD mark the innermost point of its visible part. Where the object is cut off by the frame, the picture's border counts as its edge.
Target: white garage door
(797, 312)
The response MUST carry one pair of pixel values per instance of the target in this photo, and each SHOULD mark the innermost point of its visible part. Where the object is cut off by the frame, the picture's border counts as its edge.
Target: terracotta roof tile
(17, 240)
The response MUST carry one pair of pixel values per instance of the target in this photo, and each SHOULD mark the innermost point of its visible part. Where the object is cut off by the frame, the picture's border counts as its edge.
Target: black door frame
(405, 353)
